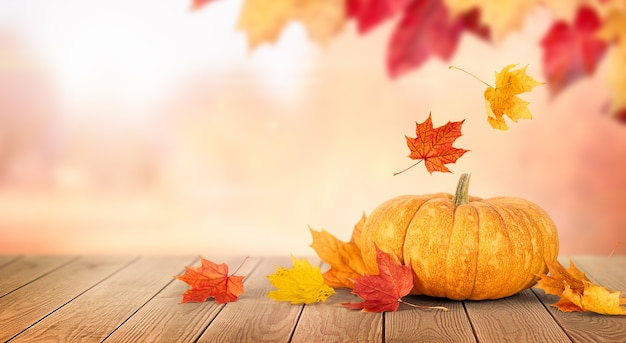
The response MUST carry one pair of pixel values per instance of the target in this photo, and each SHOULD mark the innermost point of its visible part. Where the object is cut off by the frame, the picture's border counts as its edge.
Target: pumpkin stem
(462, 196)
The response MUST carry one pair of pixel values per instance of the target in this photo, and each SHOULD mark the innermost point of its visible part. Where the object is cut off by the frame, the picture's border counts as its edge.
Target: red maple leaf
(427, 28)
(434, 146)
(383, 292)
(371, 13)
(211, 280)
(572, 51)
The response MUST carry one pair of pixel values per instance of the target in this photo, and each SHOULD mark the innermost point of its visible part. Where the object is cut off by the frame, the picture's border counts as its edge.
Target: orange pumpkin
(463, 247)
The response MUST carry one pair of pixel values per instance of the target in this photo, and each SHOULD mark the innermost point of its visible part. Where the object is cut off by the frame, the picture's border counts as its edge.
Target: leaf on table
(572, 51)
(345, 260)
(426, 29)
(434, 145)
(577, 293)
(383, 292)
(370, 13)
(211, 280)
(503, 98)
(301, 284)
(500, 16)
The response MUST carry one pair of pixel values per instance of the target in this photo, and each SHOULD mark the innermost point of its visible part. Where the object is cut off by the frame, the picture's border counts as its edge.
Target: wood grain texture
(28, 268)
(165, 319)
(518, 318)
(136, 299)
(255, 317)
(27, 305)
(591, 327)
(99, 311)
(6, 259)
(336, 323)
(410, 325)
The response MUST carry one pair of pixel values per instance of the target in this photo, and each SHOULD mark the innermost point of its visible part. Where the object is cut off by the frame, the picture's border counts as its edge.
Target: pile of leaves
(305, 284)
(582, 34)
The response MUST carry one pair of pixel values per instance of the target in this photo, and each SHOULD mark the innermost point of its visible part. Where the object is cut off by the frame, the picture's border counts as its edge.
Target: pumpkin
(462, 247)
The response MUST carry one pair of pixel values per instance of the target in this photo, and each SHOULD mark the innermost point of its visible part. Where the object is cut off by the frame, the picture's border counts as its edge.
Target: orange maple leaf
(345, 260)
(434, 146)
(577, 293)
(211, 280)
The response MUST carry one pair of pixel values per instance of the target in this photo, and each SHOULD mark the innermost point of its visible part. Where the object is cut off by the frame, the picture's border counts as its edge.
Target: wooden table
(135, 299)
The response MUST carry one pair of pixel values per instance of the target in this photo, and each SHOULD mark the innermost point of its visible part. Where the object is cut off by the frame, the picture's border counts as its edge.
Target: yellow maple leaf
(578, 293)
(503, 98)
(301, 284)
(323, 19)
(501, 16)
(264, 20)
(601, 300)
(344, 258)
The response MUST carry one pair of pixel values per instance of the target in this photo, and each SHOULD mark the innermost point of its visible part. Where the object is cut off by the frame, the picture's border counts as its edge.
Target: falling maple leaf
(370, 13)
(301, 284)
(503, 98)
(211, 280)
(384, 292)
(500, 16)
(426, 28)
(434, 146)
(577, 293)
(572, 51)
(346, 263)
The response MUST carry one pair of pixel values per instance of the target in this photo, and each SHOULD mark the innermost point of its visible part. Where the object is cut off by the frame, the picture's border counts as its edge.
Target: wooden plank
(330, 322)
(25, 306)
(410, 324)
(518, 318)
(6, 259)
(96, 313)
(28, 268)
(165, 319)
(591, 327)
(255, 317)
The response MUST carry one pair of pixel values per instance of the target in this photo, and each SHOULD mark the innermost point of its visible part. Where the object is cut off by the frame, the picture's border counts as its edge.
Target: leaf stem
(424, 307)
(402, 171)
(474, 76)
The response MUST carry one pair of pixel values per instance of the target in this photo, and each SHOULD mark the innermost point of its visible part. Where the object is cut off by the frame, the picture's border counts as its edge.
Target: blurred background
(142, 127)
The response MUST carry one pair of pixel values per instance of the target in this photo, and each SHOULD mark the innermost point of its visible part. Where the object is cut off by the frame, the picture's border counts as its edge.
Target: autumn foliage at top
(583, 32)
